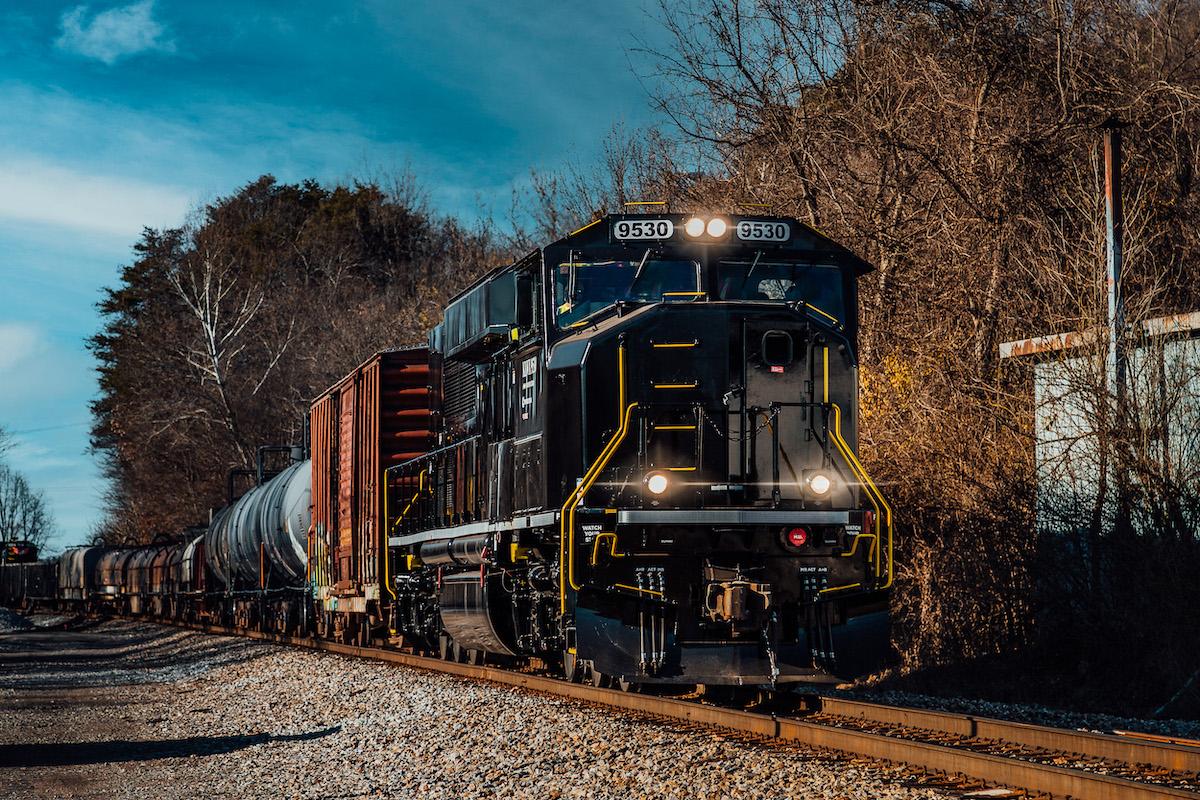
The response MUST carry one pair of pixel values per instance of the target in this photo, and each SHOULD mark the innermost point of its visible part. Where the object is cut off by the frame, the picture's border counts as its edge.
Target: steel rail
(1155, 751)
(1049, 779)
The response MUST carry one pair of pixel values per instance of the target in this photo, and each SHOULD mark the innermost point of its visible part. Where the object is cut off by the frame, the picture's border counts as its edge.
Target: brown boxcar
(381, 414)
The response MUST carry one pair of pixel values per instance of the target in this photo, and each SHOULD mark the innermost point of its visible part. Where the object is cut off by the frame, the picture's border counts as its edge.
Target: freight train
(630, 454)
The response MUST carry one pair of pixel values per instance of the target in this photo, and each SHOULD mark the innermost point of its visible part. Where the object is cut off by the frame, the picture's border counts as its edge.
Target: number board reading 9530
(643, 229)
(749, 230)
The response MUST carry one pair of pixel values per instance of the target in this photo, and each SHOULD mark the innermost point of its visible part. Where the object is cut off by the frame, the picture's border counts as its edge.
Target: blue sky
(117, 116)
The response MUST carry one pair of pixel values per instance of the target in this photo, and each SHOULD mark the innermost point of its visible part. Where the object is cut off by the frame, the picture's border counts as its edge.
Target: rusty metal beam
(1159, 326)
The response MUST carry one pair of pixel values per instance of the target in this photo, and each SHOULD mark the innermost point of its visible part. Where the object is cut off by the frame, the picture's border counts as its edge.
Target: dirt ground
(79, 709)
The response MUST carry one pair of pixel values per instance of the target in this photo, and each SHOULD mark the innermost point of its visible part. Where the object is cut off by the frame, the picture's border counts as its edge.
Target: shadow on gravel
(54, 754)
(134, 653)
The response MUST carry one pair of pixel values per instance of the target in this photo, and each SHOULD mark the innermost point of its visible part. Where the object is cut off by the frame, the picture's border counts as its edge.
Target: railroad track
(1035, 759)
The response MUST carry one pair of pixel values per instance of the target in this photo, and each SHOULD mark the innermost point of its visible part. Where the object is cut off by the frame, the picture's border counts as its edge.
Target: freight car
(29, 584)
(631, 453)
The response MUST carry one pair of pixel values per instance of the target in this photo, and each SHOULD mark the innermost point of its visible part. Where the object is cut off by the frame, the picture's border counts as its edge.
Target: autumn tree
(222, 330)
(956, 146)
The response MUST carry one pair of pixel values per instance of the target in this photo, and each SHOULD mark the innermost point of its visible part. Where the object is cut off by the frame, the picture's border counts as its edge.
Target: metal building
(1074, 408)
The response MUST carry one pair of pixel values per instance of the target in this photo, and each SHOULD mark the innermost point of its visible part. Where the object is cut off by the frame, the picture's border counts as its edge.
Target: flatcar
(631, 453)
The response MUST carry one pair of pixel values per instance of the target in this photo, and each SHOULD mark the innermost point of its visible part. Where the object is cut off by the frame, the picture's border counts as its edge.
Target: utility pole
(1114, 213)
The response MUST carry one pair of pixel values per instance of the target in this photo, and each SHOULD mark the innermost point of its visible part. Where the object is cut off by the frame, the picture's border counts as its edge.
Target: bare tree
(955, 146)
(24, 515)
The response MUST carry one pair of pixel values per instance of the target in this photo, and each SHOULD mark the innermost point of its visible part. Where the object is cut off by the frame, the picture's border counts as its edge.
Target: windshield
(818, 285)
(582, 288)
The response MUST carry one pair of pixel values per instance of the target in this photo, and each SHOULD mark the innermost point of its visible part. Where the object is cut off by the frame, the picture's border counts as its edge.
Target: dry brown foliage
(222, 331)
(956, 146)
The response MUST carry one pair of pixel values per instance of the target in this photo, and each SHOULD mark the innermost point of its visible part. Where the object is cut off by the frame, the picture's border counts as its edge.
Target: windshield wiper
(638, 272)
(753, 264)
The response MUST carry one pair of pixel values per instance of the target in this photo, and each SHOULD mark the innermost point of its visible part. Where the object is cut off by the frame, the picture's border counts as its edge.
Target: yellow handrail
(388, 528)
(567, 519)
(883, 512)
(612, 549)
(566, 547)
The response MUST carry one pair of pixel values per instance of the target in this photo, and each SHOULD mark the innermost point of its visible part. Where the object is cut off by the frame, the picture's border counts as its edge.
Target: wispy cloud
(18, 341)
(36, 191)
(117, 33)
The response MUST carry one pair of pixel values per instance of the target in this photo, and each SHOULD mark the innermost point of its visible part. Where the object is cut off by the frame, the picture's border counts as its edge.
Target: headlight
(657, 483)
(694, 227)
(819, 484)
(717, 227)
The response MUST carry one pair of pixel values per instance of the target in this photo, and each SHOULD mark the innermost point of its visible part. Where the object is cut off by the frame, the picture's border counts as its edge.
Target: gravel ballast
(132, 710)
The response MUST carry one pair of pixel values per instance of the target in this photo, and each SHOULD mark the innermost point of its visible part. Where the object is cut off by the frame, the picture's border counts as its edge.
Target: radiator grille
(459, 394)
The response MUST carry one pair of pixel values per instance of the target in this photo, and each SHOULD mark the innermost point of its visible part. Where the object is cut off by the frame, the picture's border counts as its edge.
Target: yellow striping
(825, 314)
(661, 345)
(646, 203)
(825, 382)
(636, 589)
(585, 227)
(681, 469)
(387, 550)
(685, 294)
(691, 385)
(840, 588)
(673, 427)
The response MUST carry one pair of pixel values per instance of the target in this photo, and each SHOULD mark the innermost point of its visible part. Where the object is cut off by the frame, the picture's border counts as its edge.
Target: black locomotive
(654, 420)
(630, 453)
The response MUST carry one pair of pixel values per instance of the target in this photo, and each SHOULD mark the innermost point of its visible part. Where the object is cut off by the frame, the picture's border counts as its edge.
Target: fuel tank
(261, 540)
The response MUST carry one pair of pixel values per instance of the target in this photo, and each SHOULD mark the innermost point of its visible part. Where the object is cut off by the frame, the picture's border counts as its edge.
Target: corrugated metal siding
(1068, 411)
(379, 415)
(367, 472)
(321, 442)
(343, 509)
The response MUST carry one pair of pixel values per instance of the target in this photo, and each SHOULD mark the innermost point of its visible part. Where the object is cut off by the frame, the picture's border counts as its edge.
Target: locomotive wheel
(600, 680)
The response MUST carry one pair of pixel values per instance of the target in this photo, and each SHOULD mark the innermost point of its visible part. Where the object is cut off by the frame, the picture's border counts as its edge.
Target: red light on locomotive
(796, 537)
